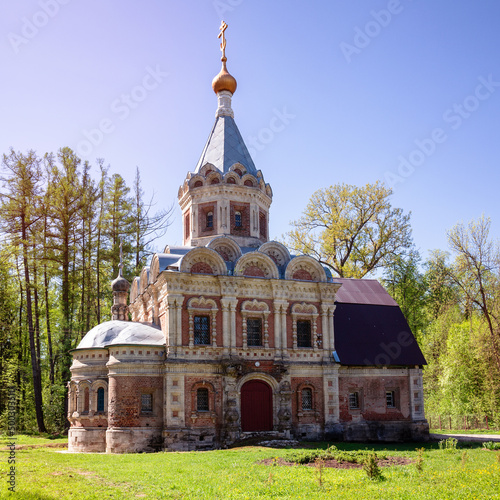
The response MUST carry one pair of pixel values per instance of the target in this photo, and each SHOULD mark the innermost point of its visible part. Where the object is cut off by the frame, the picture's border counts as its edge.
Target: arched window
(210, 220)
(86, 400)
(237, 219)
(100, 399)
(202, 401)
(307, 399)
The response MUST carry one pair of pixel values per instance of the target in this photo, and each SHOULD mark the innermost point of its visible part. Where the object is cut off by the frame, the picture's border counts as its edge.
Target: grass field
(468, 431)
(46, 473)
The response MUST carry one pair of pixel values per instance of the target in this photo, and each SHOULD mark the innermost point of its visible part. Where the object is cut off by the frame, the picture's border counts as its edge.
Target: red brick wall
(203, 209)
(318, 413)
(244, 208)
(253, 271)
(201, 268)
(124, 407)
(214, 386)
(372, 397)
(302, 274)
(263, 225)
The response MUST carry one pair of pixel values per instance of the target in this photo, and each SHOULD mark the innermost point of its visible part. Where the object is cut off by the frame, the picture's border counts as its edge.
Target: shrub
(371, 467)
(331, 453)
(448, 444)
(419, 464)
(491, 445)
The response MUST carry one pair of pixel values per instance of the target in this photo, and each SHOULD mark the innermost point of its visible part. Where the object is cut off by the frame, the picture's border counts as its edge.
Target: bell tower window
(210, 220)
(237, 219)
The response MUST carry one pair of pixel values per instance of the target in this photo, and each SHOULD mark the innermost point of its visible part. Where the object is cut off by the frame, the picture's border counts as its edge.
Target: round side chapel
(232, 337)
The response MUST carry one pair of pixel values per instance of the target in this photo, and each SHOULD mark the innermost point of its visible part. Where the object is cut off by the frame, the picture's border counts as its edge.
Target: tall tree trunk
(47, 307)
(35, 366)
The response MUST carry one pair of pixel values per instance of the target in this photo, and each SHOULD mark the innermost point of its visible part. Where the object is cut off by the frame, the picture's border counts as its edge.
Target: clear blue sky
(330, 91)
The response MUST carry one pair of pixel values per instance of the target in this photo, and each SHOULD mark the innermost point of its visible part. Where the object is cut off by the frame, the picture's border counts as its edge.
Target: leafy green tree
(353, 230)
(118, 223)
(407, 286)
(476, 272)
(65, 215)
(19, 209)
(441, 289)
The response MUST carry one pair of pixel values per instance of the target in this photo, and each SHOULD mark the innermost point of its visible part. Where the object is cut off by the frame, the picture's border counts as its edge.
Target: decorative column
(284, 306)
(325, 329)
(331, 329)
(232, 318)
(277, 327)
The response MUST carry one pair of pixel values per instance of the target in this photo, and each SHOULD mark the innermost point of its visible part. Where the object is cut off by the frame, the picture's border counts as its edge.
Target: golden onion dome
(224, 80)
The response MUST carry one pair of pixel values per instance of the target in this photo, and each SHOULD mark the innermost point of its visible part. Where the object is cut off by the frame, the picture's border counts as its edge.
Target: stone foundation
(133, 440)
(89, 439)
(388, 431)
(201, 438)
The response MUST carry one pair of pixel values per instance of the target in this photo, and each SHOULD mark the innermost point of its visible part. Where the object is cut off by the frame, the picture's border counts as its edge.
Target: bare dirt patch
(334, 464)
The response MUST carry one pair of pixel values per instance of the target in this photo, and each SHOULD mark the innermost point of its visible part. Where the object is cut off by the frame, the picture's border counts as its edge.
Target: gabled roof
(363, 291)
(370, 328)
(225, 147)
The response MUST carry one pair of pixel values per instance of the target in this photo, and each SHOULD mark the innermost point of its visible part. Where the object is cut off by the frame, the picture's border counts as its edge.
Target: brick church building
(232, 337)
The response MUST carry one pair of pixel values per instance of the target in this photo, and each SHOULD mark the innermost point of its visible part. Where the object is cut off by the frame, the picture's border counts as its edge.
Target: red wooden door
(256, 407)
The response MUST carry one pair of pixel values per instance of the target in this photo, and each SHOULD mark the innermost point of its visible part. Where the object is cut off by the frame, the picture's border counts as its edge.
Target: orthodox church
(231, 337)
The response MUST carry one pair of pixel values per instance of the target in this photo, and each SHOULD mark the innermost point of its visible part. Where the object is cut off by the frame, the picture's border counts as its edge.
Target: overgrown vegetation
(448, 444)
(332, 453)
(491, 445)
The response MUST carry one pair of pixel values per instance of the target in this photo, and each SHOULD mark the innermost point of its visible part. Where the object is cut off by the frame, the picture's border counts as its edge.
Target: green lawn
(46, 473)
(41, 439)
(470, 431)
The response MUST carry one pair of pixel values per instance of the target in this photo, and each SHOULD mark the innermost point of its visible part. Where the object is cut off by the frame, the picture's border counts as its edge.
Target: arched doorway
(256, 407)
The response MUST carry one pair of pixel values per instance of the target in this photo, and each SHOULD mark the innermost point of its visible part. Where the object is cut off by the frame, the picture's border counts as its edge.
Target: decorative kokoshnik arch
(203, 260)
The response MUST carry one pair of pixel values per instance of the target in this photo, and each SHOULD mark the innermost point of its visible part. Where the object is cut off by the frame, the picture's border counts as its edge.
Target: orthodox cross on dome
(222, 29)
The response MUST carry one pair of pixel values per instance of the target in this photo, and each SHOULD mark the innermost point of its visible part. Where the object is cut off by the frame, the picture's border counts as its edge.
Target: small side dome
(120, 284)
